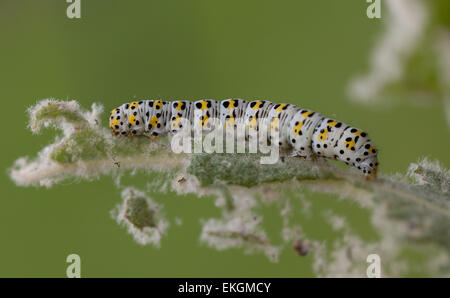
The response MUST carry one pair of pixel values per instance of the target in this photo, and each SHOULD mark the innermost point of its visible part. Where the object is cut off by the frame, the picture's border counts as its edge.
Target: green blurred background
(300, 52)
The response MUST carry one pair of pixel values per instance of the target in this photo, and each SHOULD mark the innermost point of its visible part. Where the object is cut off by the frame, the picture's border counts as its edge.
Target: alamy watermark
(73, 11)
(74, 269)
(373, 11)
(217, 137)
(374, 269)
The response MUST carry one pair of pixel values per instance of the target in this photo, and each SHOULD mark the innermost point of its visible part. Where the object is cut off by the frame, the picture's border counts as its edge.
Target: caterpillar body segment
(254, 112)
(300, 131)
(231, 112)
(277, 119)
(119, 120)
(157, 117)
(205, 111)
(334, 139)
(182, 109)
(307, 133)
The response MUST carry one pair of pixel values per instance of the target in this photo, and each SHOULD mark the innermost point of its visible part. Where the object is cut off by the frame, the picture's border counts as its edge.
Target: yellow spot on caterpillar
(274, 123)
(204, 120)
(229, 123)
(257, 105)
(322, 137)
(350, 144)
(297, 128)
(133, 105)
(179, 105)
(153, 121)
(158, 105)
(132, 119)
(280, 108)
(358, 132)
(372, 149)
(333, 124)
(252, 123)
(306, 113)
(204, 104)
(231, 105)
(176, 122)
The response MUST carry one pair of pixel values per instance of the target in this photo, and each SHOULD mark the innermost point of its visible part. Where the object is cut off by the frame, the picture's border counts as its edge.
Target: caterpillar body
(307, 133)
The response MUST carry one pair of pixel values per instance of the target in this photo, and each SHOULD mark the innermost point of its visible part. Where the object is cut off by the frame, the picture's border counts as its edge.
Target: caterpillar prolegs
(307, 133)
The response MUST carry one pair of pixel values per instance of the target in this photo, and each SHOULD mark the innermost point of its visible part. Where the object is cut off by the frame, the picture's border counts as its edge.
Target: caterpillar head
(369, 167)
(369, 161)
(114, 120)
(117, 121)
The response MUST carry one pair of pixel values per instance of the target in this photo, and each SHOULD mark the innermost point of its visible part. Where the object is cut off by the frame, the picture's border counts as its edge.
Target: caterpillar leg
(314, 157)
(152, 137)
(296, 154)
(371, 176)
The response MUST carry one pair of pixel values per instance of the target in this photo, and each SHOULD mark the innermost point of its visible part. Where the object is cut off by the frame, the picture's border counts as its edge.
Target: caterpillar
(307, 133)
